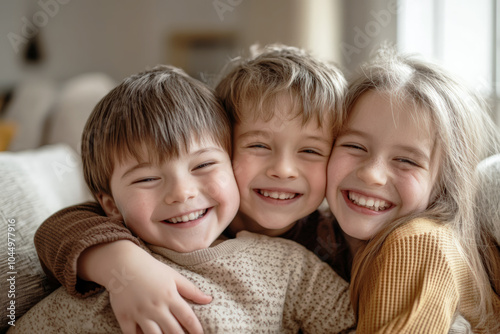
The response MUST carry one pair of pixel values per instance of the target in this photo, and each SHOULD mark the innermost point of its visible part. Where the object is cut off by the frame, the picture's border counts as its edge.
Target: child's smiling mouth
(277, 195)
(187, 217)
(372, 203)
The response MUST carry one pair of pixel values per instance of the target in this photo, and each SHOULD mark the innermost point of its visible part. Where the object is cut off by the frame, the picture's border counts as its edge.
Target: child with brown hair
(156, 156)
(284, 106)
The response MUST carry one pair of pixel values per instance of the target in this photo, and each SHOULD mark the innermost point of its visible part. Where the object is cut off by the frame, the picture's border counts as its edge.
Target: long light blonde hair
(465, 134)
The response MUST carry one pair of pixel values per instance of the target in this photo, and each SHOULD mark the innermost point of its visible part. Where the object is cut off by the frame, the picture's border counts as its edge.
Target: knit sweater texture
(259, 284)
(417, 282)
(61, 239)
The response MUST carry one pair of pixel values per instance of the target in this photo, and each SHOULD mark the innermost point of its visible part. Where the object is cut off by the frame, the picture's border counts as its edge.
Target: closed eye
(147, 179)
(204, 165)
(408, 161)
(312, 151)
(257, 146)
(354, 146)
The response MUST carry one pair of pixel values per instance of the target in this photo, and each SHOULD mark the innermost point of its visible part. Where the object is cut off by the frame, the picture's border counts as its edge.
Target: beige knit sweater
(259, 285)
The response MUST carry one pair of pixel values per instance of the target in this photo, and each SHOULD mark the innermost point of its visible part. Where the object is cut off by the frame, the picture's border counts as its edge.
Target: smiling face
(383, 166)
(183, 204)
(280, 168)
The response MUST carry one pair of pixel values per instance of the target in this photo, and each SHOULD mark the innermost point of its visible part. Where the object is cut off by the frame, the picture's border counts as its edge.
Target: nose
(180, 190)
(283, 166)
(373, 172)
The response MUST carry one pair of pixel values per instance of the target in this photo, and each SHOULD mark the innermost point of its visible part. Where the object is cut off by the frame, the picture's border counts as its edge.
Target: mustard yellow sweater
(417, 283)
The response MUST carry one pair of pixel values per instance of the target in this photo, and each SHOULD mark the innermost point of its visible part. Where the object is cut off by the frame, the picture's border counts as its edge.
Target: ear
(108, 205)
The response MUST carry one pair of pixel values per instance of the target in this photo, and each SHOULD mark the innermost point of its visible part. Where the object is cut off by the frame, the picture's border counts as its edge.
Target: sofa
(40, 174)
(33, 185)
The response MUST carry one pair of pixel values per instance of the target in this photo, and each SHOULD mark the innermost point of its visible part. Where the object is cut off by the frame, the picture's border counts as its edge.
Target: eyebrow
(255, 133)
(149, 164)
(207, 149)
(136, 167)
(412, 149)
(266, 134)
(421, 155)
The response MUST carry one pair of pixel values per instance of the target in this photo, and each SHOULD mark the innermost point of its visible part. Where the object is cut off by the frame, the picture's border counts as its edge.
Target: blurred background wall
(61, 39)
(120, 37)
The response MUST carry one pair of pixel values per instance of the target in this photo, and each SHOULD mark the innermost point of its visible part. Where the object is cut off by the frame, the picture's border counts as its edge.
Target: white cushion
(33, 185)
(488, 201)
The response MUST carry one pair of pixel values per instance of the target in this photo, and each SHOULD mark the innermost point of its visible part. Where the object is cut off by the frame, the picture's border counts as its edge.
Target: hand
(152, 301)
(145, 294)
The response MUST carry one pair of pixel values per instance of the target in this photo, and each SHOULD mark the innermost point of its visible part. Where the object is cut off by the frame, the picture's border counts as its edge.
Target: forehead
(381, 112)
(283, 131)
(144, 152)
(282, 106)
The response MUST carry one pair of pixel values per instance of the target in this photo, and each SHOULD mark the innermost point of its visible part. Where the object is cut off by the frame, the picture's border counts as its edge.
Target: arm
(62, 238)
(412, 287)
(143, 291)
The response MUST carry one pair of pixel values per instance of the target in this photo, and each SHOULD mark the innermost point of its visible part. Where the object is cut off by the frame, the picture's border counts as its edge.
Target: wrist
(109, 263)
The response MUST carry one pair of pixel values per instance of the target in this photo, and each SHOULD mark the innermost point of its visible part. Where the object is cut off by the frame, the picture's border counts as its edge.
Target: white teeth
(277, 195)
(368, 202)
(185, 218)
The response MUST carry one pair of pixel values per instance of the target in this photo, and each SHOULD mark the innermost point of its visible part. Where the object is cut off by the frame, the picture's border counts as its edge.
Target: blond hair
(256, 83)
(159, 110)
(465, 134)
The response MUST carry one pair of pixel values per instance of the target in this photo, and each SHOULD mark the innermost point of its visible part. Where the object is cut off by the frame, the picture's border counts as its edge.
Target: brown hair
(160, 110)
(257, 82)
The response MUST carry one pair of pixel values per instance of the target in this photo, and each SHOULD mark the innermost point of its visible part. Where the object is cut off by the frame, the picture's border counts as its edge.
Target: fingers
(166, 325)
(185, 316)
(127, 325)
(152, 304)
(177, 317)
(190, 291)
(169, 324)
(151, 327)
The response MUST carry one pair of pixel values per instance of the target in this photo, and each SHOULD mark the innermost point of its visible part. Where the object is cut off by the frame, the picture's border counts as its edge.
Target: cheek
(135, 216)
(225, 193)
(415, 192)
(337, 165)
(316, 175)
(221, 186)
(137, 208)
(244, 168)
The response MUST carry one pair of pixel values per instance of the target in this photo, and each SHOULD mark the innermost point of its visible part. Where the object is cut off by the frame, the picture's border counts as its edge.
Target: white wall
(366, 25)
(120, 37)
